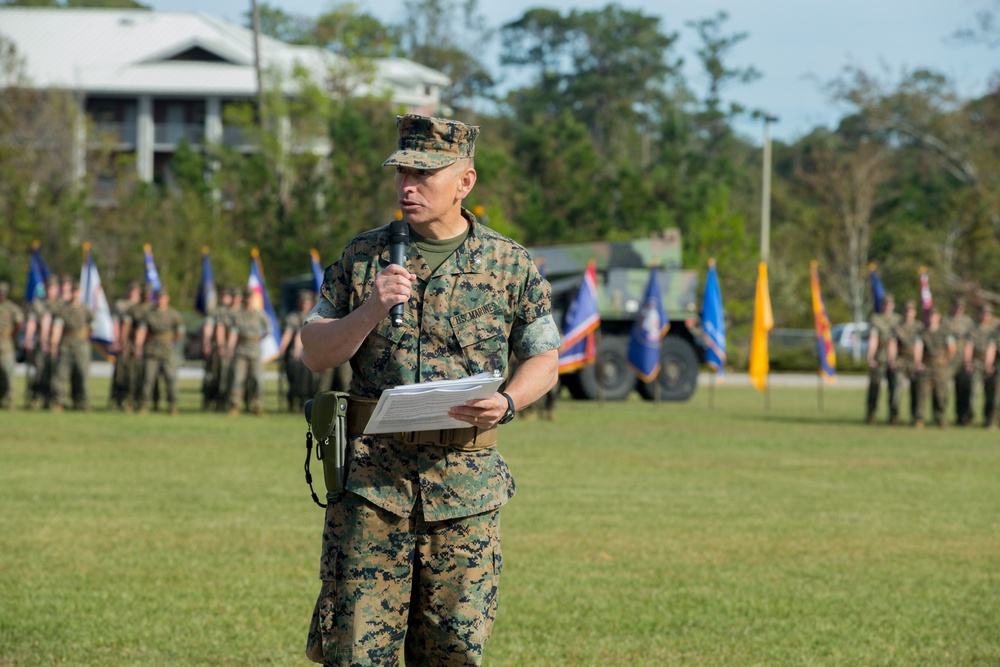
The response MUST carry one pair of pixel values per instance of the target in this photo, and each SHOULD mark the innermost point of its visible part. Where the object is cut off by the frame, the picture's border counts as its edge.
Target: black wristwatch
(510, 409)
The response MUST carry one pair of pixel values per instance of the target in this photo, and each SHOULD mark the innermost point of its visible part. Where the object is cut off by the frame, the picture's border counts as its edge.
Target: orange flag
(763, 321)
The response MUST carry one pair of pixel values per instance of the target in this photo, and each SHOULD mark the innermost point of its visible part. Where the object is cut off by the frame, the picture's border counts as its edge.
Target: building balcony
(121, 135)
(171, 134)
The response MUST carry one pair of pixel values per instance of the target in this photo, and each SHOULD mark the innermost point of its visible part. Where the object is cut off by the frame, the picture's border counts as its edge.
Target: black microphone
(399, 238)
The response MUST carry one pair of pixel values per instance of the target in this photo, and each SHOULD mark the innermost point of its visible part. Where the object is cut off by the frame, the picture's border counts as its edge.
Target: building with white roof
(151, 79)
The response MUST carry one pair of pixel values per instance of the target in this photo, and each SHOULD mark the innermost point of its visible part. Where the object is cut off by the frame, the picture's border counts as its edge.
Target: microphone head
(399, 232)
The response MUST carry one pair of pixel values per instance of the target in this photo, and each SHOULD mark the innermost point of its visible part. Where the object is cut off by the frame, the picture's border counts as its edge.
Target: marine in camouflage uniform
(11, 321)
(212, 343)
(39, 355)
(961, 325)
(134, 316)
(248, 326)
(71, 335)
(980, 361)
(302, 383)
(907, 334)
(160, 329)
(226, 318)
(882, 361)
(121, 380)
(411, 556)
(934, 354)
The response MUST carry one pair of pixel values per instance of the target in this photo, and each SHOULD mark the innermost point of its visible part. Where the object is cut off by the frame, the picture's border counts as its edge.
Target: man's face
(52, 291)
(911, 314)
(67, 291)
(163, 302)
(428, 195)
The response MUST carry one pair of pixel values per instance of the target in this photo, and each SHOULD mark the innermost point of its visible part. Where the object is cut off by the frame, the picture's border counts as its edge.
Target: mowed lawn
(641, 534)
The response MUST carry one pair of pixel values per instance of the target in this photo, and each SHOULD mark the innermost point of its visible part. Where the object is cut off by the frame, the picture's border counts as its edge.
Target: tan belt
(471, 439)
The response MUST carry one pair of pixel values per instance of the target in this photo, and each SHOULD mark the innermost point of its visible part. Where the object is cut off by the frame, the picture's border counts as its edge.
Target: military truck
(622, 275)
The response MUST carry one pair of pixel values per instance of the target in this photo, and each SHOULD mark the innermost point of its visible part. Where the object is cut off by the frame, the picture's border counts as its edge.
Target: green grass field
(641, 534)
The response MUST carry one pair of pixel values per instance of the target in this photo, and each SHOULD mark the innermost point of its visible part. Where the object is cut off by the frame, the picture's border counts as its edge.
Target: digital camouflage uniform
(163, 327)
(961, 327)
(134, 316)
(73, 361)
(907, 335)
(121, 380)
(11, 319)
(984, 335)
(884, 325)
(250, 326)
(211, 380)
(302, 383)
(41, 359)
(224, 324)
(412, 548)
(938, 369)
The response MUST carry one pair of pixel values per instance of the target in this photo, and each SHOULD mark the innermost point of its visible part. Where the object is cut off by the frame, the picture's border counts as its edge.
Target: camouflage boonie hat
(432, 143)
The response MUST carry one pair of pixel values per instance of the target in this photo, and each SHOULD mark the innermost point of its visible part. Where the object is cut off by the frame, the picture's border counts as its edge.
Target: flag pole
(711, 392)
(819, 391)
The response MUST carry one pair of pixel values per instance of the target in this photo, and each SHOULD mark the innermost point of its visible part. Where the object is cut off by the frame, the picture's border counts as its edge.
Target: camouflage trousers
(153, 368)
(963, 395)
(391, 583)
(247, 381)
(72, 371)
(989, 381)
(7, 364)
(938, 377)
(875, 377)
(908, 369)
(38, 384)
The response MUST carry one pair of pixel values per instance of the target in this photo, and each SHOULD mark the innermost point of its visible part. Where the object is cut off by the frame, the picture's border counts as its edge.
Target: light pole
(765, 198)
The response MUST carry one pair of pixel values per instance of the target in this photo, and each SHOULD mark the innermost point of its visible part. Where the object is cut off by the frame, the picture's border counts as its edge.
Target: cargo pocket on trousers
(493, 600)
(321, 624)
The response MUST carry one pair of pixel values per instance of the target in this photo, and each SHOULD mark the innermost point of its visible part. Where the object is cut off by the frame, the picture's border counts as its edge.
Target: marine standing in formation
(158, 332)
(248, 326)
(410, 558)
(907, 334)
(980, 361)
(121, 382)
(211, 349)
(11, 321)
(935, 351)
(302, 382)
(961, 325)
(882, 361)
(71, 337)
(37, 346)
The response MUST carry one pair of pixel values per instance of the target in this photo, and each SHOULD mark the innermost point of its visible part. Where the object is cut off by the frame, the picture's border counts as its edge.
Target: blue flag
(270, 343)
(205, 300)
(651, 325)
(317, 269)
(713, 321)
(152, 275)
(582, 319)
(878, 292)
(38, 273)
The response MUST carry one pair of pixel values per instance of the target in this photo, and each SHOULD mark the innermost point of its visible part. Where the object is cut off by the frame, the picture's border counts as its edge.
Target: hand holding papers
(424, 406)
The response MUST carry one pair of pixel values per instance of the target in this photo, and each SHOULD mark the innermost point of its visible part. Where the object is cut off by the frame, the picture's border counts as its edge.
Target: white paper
(424, 406)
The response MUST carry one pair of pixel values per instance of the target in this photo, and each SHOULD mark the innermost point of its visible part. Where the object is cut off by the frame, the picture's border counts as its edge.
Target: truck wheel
(678, 372)
(618, 376)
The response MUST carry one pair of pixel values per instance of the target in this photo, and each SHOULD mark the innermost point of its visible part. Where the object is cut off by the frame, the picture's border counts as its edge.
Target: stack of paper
(424, 406)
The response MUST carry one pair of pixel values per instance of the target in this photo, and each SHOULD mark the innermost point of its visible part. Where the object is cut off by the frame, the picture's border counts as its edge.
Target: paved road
(192, 372)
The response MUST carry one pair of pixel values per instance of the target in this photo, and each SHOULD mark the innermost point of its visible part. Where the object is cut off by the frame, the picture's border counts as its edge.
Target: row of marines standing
(947, 351)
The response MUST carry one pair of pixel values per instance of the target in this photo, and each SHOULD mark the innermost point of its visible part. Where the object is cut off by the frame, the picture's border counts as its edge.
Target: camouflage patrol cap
(431, 143)
(51, 280)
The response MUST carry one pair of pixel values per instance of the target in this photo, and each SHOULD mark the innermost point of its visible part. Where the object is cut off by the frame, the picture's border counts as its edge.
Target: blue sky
(796, 44)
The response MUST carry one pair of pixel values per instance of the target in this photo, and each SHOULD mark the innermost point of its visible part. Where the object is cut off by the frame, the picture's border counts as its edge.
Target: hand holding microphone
(399, 238)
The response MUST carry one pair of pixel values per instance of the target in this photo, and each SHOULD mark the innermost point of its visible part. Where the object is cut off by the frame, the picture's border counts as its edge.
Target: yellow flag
(762, 323)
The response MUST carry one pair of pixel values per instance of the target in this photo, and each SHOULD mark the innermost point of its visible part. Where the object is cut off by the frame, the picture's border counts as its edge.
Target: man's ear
(466, 182)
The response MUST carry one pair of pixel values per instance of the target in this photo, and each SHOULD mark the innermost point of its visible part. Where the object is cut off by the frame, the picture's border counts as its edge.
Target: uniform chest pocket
(483, 341)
